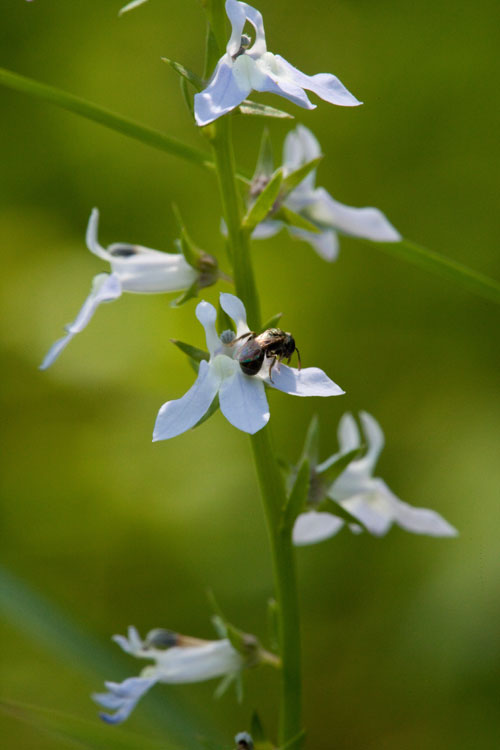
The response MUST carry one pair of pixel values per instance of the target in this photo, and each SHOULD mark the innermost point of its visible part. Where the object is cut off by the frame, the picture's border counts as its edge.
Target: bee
(273, 343)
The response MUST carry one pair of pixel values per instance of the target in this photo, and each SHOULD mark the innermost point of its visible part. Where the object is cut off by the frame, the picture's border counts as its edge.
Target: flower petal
(325, 243)
(207, 315)
(267, 228)
(123, 697)
(369, 223)
(222, 94)
(325, 85)
(237, 16)
(243, 402)
(235, 308)
(91, 236)
(310, 381)
(147, 271)
(105, 288)
(416, 520)
(373, 509)
(184, 664)
(300, 147)
(258, 48)
(375, 443)
(275, 80)
(175, 417)
(312, 527)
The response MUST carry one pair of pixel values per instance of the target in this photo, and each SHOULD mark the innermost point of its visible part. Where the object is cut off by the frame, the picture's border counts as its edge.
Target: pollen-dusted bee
(273, 343)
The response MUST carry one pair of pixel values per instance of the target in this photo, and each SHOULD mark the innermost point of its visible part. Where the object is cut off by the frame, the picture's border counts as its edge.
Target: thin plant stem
(270, 479)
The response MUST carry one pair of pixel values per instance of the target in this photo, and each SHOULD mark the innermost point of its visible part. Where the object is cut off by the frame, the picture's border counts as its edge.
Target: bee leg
(298, 357)
(273, 362)
(247, 335)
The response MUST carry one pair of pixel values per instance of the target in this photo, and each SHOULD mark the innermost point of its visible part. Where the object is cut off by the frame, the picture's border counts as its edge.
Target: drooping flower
(242, 397)
(178, 659)
(363, 496)
(246, 67)
(317, 205)
(133, 269)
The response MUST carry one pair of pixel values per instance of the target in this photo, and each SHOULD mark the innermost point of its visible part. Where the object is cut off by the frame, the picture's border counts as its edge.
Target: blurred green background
(401, 635)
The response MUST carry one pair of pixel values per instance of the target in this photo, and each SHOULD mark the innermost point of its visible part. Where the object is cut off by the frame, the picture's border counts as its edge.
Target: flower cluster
(366, 498)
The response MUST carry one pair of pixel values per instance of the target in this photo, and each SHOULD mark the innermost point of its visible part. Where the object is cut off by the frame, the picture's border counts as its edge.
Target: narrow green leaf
(104, 117)
(264, 203)
(190, 293)
(297, 498)
(265, 161)
(295, 178)
(263, 110)
(192, 351)
(439, 264)
(329, 505)
(211, 53)
(187, 96)
(295, 219)
(185, 73)
(91, 735)
(190, 251)
(311, 443)
(224, 322)
(336, 468)
(272, 322)
(256, 729)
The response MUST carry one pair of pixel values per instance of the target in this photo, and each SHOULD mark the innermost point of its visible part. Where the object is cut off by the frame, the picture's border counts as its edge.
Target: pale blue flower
(242, 398)
(133, 269)
(180, 659)
(364, 496)
(317, 205)
(246, 67)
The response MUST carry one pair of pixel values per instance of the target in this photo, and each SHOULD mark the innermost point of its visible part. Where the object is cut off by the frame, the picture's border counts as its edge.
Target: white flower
(131, 6)
(246, 67)
(365, 497)
(133, 269)
(242, 397)
(318, 206)
(180, 660)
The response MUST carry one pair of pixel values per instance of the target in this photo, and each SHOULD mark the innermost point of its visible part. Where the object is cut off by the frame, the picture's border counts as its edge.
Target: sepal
(294, 179)
(294, 219)
(263, 110)
(264, 203)
(335, 469)
(272, 322)
(185, 73)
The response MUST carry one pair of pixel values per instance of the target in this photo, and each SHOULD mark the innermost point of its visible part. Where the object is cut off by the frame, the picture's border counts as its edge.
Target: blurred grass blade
(41, 620)
(91, 735)
(439, 264)
(104, 117)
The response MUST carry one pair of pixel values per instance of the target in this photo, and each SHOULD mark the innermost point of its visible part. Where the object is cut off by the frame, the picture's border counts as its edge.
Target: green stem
(274, 496)
(239, 240)
(270, 479)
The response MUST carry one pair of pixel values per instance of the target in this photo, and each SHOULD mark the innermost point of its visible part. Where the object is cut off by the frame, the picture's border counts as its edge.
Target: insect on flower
(273, 344)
